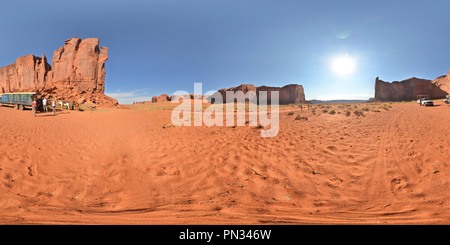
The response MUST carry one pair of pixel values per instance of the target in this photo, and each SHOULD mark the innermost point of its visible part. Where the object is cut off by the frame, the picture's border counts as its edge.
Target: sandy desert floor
(121, 166)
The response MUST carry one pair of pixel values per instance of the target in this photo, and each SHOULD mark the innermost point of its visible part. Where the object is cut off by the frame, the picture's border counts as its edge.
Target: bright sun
(343, 65)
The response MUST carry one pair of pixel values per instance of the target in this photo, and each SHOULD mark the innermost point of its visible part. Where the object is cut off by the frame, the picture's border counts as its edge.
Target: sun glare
(343, 65)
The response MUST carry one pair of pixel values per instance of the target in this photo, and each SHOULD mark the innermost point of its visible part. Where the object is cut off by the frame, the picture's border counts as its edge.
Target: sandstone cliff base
(127, 167)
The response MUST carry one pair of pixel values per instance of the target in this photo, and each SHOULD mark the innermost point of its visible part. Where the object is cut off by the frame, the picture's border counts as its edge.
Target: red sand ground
(122, 167)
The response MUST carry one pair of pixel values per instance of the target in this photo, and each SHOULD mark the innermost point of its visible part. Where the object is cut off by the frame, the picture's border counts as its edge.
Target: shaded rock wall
(407, 90)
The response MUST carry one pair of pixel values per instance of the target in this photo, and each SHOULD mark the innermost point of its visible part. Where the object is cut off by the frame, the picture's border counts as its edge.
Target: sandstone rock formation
(443, 82)
(28, 73)
(161, 98)
(77, 74)
(165, 97)
(408, 89)
(289, 94)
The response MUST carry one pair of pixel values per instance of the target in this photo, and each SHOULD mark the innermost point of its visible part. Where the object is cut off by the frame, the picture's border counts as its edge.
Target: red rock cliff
(78, 73)
(28, 73)
(443, 82)
(407, 89)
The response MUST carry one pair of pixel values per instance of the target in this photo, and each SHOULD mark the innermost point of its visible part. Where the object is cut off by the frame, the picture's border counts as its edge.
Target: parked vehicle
(447, 101)
(420, 98)
(426, 102)
(19, 100)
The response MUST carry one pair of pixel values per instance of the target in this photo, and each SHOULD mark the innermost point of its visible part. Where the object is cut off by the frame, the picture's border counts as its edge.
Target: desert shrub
(332, 112)
(347, 113)
(325, 111)
(298, 117)
(365, 109)
(376, 111)
(358, 113)
(290, 113)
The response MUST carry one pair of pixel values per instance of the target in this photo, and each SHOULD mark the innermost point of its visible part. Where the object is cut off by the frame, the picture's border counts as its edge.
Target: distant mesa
(289, 94)
(409, 89)
(77, 73)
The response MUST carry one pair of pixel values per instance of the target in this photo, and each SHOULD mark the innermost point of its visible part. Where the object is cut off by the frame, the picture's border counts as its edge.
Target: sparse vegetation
(325, 106)
(358, 113)
(298, 117)
(359, 110)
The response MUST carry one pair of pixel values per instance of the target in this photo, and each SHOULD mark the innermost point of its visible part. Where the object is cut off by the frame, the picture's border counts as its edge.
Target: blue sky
(161, 46)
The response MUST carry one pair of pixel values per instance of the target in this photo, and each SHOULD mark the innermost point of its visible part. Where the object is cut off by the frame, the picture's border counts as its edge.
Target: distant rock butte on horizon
(77, 73)
(409, 89)
(289, 94)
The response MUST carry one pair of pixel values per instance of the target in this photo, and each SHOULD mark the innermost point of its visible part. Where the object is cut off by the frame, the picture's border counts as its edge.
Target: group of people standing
(34, 105)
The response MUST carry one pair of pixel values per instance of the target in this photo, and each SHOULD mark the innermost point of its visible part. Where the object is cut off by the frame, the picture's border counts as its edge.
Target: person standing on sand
(33, 107)
(53, 106)
(44, 104)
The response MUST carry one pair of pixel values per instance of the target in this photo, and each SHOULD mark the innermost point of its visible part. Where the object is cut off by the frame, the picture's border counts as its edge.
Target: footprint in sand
(30, 171)
(9, 180)
(398, 184)
(331, 148)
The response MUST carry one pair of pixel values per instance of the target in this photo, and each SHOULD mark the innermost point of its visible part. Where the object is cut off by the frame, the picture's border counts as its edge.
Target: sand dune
(391, 165)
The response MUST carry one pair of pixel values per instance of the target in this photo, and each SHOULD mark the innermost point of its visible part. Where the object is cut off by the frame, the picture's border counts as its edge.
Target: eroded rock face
(407, 90)
(443, 82)
(78, 71)
(28, 73)
(289, 94)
